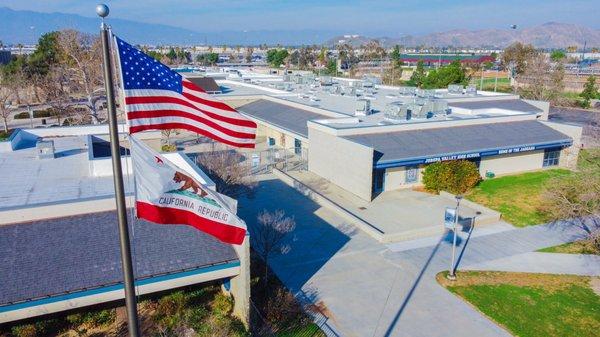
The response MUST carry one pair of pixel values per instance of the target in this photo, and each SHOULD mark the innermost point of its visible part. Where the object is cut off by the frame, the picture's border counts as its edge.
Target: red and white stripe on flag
(167, 194)
(157, 98)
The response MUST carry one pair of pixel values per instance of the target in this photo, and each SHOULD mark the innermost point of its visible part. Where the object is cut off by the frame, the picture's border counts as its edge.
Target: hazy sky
(392, 18)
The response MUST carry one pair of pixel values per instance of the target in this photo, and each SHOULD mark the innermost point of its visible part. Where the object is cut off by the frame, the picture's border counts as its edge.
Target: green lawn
(489, 84)
(517, 197)
(532, 305)
(576, 247)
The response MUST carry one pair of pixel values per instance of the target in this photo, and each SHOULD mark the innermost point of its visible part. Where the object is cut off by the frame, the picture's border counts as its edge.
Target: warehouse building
(369, 138)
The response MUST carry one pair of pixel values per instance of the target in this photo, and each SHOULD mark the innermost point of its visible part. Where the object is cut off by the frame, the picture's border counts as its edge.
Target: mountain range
(19, 26)
(548, 35)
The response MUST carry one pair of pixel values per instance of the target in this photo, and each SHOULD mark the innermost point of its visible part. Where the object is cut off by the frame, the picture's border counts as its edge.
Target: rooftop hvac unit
(408, 91)
(455, 89)
(287, 78)
(471, 90)
(363, 107)
(336, 90)
(440, 107)
(415, 110)
(350, 91)
(45, 149)
(397, 111)
(326, 80)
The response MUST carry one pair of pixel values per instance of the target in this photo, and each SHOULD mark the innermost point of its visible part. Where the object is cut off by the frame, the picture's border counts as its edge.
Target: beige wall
(568, 156)
(344, 163)
(395, 178)
(512, 163)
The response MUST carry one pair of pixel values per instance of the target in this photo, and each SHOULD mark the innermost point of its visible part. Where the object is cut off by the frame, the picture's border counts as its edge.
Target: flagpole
(128, 278)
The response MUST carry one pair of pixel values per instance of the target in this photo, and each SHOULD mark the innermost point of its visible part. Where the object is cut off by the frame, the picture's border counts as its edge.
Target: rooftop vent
(45, 149)
(408, 91)
(397, 111)
(363, 107)
(455, 89)
(471, 90)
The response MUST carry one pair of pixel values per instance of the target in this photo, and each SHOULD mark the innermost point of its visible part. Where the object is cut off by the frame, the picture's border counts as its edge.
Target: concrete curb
(487, 216)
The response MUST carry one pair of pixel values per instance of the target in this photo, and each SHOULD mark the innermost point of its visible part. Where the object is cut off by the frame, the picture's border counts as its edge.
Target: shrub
(43, 113)
(22, 115)
(27, 330)
(94, 318)
(456, 176)
(168, 148)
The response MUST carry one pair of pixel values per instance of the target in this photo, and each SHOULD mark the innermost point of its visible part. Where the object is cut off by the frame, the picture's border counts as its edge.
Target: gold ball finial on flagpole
(102, 10)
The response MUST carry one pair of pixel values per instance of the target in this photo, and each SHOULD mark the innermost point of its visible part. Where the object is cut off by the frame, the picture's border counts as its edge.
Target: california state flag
(165, 194)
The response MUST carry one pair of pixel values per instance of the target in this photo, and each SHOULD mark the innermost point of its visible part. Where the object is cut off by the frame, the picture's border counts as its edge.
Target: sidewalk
(397, 215)
(547, 263)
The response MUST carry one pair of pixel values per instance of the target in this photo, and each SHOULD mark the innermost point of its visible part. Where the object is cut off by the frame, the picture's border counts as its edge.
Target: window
(271, 141)
(411, 174)
(551, 158)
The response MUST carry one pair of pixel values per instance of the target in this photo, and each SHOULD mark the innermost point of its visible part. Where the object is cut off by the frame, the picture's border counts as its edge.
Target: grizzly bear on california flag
(188, 182)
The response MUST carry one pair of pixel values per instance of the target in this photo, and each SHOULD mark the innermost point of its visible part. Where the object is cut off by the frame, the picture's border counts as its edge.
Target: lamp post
(451, 273)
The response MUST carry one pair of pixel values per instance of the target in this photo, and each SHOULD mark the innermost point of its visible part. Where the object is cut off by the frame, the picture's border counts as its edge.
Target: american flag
(157, 98)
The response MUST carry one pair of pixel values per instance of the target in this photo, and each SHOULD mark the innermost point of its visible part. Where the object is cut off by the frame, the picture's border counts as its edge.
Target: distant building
(5, 56)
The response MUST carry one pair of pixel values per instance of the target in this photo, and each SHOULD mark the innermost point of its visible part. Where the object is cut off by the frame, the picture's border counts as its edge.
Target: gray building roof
(429, 143)
(52, 257)
(284, 116)
(506, 104)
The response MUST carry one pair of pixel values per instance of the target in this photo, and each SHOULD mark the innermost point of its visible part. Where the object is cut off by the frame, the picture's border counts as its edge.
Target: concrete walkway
(548, 263)
(370, 289)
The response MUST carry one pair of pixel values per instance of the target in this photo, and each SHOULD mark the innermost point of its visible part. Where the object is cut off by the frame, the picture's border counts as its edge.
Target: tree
(575, 200)
(557, 55)
(515, 57)
(453, 73)
(171, 55)
(418, 76)
(268, 234)
(347, 56)
(167, 134)
(276, 57)
(542, 80)
(590, 91)
(45, 55)
(248, 55)
(373, 51)
(5, 111)
(455, 176)
(55, 90)
(229, 172)
(208, 59)
(81, 53)
(395, 54)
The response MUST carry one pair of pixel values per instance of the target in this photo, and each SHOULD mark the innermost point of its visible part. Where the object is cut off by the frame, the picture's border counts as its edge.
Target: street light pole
(451, 273)
(128, 276)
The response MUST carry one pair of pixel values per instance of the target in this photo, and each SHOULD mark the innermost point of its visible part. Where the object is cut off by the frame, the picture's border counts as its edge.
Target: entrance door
(297, 146)
(411, 174)
(378, 181)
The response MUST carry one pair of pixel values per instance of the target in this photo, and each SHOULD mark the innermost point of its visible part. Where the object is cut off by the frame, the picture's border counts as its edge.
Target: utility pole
(115, 149)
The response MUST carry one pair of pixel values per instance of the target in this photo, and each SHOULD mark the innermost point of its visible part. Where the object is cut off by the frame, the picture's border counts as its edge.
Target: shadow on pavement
(311, 244)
